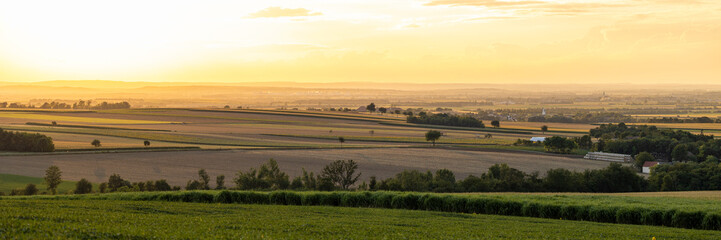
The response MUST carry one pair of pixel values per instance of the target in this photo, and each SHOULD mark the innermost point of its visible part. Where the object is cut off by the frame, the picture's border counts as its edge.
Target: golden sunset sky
(404, 41)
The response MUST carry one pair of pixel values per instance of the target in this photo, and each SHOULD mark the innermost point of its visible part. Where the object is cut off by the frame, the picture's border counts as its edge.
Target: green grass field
(86, 219)
(8, 182)
(484, 141)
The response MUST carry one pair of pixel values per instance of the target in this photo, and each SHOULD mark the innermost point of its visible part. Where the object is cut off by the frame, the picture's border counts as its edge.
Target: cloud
(481, 3)
(276, 12)
(412, 25)
(529, 5)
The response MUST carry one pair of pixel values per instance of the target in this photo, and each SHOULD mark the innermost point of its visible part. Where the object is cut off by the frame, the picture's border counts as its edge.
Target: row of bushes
(447, 203)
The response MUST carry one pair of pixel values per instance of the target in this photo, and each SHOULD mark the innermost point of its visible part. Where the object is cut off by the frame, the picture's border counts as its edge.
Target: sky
(401, 41)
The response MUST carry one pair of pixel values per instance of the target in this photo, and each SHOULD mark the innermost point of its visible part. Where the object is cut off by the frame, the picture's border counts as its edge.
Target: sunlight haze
(403, 41)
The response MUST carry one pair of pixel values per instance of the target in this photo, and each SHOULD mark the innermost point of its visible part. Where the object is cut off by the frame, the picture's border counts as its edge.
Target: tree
(544, 128)
(52, 178)
(220, 182)
(96, 143)
(382, 110)
(83, 186)
(115, 182)
(433, 135)
(341, 173)
(204, 179)
(371, 107)
(496, 123)
(641, 158)
(559, 144)
(341, 140)
(680, 153)
(146, 143)
(31, 189)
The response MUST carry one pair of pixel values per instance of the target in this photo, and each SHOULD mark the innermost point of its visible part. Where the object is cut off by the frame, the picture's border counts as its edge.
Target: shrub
(382, 199)
(432, 202)
(531, 209)
(197, 197)
(406, 201)
(602, 214)
(277, 198)
(549, 211)
(356, 199)
(30, 189)
(223, 197)
(83, 186)
(571, 212)
(310, 199)
(630, 215)
(293, 198)
(712, 221)
(476, 205)
(455, 204)
(687, 219)
(652, 217)
(493, 206)
(332, 199)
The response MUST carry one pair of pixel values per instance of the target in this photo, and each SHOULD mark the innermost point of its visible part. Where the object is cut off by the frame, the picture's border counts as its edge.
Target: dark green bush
(351, 199)
(630, 215)
(197, 197)
(531, 209)
(652, 217)
(382, 199)
(432, 202)
(224, 197)
(712, 221)
(310, 199)
(476, 205)
(406, 201)
(602, 214)
(684, 219)
(332, 199)
(549, 211)
(277, 197)
(250, 198)
(668, 217)
(571, 212)
(293, 198)
(455, 204)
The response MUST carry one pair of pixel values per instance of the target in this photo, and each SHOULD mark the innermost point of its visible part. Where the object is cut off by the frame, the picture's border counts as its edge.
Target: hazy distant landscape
(419, 119)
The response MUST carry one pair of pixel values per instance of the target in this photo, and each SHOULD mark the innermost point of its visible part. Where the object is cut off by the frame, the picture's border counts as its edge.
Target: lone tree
(371, 107)
(496, 123)
(341, 173)
(52, 178)
(30, 189)
(341, 140)
(146, 143)
(96, 143)
(432, 136)
(544, 128)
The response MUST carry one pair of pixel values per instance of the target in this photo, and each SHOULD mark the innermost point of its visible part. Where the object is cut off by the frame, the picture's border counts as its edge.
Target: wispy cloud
(276, 12)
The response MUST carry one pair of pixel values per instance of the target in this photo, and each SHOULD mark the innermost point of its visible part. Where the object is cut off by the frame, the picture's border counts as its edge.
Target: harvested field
(179, 167)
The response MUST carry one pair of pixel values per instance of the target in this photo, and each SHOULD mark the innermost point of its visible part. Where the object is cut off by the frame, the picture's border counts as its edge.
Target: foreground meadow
(35, 219)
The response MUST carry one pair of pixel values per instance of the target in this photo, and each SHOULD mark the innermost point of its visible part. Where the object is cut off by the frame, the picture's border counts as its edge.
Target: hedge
(437, 202)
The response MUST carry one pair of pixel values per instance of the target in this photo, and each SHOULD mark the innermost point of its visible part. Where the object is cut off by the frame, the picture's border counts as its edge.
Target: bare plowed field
(179, 167)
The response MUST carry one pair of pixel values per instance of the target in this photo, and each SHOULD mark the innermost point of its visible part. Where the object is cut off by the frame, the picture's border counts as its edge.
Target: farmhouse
(538, 139)
(647, 166)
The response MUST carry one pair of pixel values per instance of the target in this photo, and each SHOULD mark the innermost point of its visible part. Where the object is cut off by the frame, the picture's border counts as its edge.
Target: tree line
(445, 119)
(25, 142)
(81, 104)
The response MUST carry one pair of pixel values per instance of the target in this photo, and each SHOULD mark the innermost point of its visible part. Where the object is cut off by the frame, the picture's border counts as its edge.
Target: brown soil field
(179, 167)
